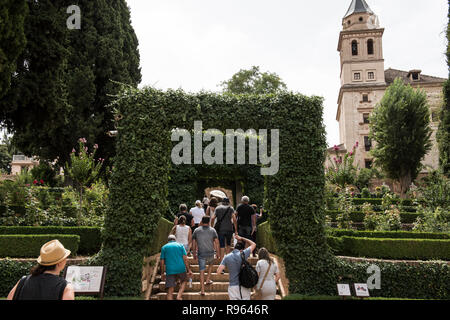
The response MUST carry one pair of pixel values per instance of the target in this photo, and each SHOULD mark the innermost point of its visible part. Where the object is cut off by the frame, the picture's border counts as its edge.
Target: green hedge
(398, 280)
(90, 237)
(264, 237)
(388, 234)
(379, 201)
(414, 249)
(358, 216)
(10, 272)
(69, 212)
(160, 239)
(29, 246)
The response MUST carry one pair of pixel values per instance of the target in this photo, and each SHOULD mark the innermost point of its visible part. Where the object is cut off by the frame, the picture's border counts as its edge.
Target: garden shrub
(90, 237)
(358, 216)
(413, 249)
(29, 246)
(160, 239)
(265, 239)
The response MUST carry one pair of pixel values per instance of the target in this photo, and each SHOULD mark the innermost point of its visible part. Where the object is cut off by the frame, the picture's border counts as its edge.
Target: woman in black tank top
(44, 282)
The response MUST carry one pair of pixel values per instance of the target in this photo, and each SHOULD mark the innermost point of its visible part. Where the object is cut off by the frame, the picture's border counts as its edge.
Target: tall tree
(12, 39)
(70, 77)
(253, 81)
(443, 134)
(400, 128)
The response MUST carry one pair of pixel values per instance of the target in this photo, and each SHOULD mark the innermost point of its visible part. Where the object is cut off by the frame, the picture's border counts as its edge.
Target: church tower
(362, 71)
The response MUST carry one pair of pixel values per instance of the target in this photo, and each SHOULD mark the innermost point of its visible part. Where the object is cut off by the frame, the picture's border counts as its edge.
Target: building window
(357, 76)
(366, 117)
(368, 164)
(371, 75)
(370, 46)
(434, 116)
(365, 98)
(367, 143)
(354, 48)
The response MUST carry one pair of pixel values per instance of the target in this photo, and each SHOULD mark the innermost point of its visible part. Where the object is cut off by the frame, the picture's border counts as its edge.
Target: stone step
(214, 287)
(252, 260)
(193, 296)
(196, 268)
(196, 277)
(197, 296)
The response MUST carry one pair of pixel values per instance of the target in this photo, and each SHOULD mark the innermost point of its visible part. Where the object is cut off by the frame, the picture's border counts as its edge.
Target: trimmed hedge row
(388, 234)
(414, 249)
(379, 201)
(26, 246)
(358, 216)
(90, 237)
(264, 237)
(399, 280)
(68, 211)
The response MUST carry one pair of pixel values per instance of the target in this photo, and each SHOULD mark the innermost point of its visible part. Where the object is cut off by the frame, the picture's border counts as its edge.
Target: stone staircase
(215, 291)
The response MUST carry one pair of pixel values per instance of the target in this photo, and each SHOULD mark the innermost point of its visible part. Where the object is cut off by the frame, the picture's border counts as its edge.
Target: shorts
(225, 237)
(203, 261)
(171, 279)
(235, 294)
(245, 232)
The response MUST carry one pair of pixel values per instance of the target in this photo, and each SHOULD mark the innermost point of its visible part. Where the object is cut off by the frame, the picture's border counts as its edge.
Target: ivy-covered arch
(139, 184)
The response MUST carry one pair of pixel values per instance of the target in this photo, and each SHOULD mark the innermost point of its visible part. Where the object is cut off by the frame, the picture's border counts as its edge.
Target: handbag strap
(223, 217)
(265, 276)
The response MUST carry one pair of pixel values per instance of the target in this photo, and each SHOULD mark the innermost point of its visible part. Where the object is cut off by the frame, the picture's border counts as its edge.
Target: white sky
(196, 44)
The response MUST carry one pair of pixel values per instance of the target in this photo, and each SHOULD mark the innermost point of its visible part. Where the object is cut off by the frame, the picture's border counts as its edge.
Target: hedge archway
(139, 183)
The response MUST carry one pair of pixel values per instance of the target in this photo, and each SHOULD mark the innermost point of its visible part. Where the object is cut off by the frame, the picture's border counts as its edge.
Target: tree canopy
(253, 81)
(400, 128)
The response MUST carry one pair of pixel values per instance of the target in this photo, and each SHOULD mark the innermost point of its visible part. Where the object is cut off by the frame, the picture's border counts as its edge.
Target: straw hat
(53, 252)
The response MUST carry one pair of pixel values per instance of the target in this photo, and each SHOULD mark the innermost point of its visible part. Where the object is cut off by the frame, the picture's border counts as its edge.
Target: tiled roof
(391, 74)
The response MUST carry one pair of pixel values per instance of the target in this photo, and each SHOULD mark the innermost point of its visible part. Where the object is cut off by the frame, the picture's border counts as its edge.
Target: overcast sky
(196, 44)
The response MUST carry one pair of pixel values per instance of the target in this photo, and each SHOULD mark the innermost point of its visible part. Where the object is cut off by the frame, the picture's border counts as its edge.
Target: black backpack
(248, 277)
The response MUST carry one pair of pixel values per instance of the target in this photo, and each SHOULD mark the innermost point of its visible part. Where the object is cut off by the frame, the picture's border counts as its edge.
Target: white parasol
(218, 194)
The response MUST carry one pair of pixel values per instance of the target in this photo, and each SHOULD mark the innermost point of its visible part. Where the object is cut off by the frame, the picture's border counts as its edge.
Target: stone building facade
(364, 82)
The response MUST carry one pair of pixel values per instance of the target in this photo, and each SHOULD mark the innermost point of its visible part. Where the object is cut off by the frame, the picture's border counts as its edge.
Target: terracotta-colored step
(194, 296)
(196, 268)
(252, 260)
(197, 296)
(214, 287)
(196, 277)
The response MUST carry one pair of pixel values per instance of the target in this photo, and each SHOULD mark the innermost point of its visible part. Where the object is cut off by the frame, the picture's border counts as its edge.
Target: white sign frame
(344, 290)
(86, 280)
(362, 290)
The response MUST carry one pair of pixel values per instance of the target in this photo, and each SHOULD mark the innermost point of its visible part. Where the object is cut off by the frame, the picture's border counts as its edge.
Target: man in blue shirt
(174, 264)
(232, 262)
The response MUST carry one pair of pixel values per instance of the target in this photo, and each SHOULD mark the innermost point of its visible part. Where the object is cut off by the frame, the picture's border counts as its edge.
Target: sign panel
(344, 290)
(85, 279)
(361, 290)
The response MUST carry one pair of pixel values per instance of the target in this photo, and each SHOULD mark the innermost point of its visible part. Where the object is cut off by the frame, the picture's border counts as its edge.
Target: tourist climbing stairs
(218, 290)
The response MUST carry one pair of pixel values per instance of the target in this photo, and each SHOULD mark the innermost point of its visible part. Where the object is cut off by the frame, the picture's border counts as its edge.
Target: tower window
(370, 46)
(366, 118)
(367, 143)
(371, 75)
(365, 97)
(368, 163)
(354, 48)
(357, 76)
(361, 19)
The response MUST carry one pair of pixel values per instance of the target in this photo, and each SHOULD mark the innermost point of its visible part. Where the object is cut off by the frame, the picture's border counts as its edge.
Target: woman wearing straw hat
(44, 282)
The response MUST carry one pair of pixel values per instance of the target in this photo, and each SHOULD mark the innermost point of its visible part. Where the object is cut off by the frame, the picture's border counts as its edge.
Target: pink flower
(73, 150)
(350, 154)
(357, 144)
(95, 146)
(336, 148)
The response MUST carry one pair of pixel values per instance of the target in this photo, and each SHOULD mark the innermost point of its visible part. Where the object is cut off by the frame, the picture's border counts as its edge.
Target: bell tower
(360, 46)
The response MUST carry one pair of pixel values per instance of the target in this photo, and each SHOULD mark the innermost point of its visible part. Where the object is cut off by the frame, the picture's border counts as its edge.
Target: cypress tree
(66, 78)
(443, 134)
(12, 39)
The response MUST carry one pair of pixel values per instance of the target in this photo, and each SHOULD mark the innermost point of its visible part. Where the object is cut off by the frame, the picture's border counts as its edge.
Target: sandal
(209, 282)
